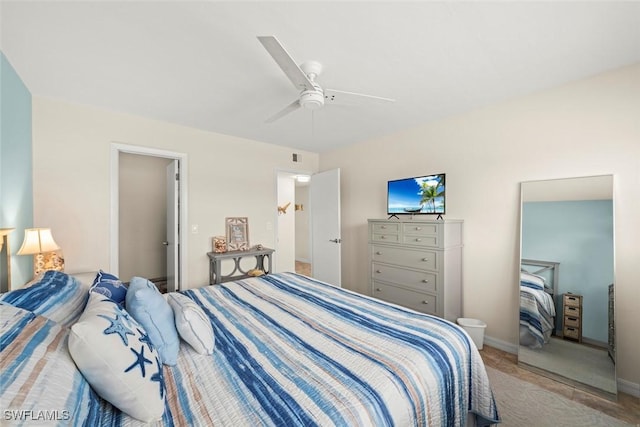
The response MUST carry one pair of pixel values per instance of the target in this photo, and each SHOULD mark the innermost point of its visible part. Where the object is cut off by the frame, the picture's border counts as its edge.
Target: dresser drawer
(571, 300)
(420, 229)
(411, 299)
(571, 311)
(425, 260)
(418, 280)
(390, 238)
(385, 228)
(574, 322)
(420, 240)
(569, 332)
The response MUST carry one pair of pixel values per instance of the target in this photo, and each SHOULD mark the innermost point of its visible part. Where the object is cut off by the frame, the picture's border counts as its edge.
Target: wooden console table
(215, 264)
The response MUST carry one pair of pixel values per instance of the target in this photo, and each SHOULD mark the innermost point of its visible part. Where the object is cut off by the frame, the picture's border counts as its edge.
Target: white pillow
(533, 280)
(192, 323)
(116, 357)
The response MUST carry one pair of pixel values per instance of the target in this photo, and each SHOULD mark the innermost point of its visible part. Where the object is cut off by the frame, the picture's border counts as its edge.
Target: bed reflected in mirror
(566, 322)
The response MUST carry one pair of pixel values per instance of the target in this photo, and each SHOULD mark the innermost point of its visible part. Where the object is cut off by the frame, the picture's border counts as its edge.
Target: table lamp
(39, 243)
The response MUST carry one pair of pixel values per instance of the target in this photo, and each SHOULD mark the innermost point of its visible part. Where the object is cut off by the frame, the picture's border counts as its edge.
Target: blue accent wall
(578, 235)
(16, 168)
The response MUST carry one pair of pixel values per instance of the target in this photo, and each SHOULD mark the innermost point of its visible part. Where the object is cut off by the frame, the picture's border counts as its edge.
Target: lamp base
(48, 261)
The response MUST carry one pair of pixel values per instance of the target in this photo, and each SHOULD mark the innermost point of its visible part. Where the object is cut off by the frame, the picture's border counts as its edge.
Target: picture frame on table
(237, 233)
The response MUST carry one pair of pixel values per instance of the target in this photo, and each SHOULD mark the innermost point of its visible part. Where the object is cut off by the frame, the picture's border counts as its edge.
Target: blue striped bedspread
(290, 351)
(537, 313)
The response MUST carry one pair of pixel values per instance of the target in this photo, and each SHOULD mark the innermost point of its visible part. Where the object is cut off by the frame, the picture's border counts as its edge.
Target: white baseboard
(628, 387)
(501, 345)
(624, 386)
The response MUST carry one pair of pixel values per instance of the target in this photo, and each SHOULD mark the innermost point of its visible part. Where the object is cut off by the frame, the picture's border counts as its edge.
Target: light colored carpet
(577, 362)
(522, 404)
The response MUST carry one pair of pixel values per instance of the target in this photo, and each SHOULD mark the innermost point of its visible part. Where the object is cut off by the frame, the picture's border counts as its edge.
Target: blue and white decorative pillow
(54, 295)
(192, 323)
(109, 286)
(116, 356)
(147, 305)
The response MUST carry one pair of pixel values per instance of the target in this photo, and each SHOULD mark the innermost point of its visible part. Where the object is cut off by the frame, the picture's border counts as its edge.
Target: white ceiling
(199, 63)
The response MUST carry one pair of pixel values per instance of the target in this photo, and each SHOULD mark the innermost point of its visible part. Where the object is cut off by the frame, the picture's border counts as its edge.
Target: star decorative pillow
(116, 356)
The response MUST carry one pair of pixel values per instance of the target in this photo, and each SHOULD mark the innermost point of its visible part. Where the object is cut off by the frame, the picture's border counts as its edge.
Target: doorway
(144, 227)
(143, 218)
(320, 235)
(292, 224)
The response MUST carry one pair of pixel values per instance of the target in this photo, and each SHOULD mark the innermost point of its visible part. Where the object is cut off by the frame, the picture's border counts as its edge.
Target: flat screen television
(417, 195)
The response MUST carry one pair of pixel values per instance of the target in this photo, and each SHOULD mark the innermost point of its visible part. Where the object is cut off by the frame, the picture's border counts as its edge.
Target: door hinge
(177, 177)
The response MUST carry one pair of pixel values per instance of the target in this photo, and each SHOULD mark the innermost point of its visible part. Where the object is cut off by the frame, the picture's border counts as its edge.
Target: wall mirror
(567, 286)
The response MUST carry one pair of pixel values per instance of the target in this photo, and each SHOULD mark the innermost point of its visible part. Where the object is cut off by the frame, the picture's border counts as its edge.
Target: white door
(324, 201)
(172, 241)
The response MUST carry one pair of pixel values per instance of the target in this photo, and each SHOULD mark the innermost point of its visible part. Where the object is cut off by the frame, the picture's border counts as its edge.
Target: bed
(289, 350)
(537, 308)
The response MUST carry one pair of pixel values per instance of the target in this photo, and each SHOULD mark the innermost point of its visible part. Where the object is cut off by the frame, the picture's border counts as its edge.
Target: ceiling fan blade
(284, 60)
(286, 110)
(332, 96)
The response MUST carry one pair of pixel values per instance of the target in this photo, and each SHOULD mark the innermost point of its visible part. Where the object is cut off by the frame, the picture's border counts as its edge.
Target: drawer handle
(378, 253)
(418, 228)
(425, 281)
(383, 226)
(425, 259)
(573, 319)
(382, 237)
(418, 240)
(378, 289)
(425, 302)
(378, 271)
(571, 298)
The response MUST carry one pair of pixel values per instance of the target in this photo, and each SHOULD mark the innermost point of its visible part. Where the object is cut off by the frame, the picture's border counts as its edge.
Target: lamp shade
(37, 241)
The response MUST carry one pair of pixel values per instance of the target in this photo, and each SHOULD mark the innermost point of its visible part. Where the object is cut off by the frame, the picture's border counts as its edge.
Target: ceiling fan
(303, 77)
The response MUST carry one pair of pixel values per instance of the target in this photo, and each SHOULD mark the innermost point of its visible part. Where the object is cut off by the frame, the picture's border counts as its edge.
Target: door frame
(114, 239)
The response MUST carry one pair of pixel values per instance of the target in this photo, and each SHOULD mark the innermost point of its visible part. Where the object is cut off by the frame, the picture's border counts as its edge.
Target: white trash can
(475, 328)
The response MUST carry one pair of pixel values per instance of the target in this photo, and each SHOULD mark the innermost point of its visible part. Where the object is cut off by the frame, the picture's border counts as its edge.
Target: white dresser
(418, 264)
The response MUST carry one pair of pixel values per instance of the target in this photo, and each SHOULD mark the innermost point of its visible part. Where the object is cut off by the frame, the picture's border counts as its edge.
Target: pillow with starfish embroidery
(115, 355)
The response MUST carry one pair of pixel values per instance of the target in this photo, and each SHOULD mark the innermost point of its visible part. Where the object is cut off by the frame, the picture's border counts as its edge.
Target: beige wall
(71, 180)
(590, 127)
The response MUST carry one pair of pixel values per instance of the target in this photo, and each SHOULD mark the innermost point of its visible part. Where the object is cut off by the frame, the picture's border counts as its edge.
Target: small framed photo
(237, 233)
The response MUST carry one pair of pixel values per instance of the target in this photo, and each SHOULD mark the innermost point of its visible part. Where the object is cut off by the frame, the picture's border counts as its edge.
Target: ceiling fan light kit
(312, 95)
(311, 99)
